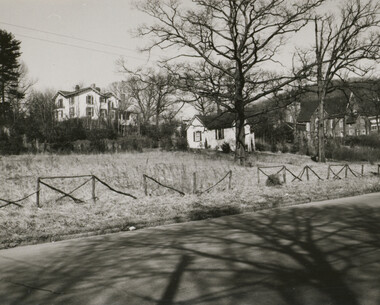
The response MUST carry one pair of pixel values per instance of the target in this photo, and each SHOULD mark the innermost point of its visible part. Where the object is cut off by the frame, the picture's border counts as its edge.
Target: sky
(48, 30)
(69, 42)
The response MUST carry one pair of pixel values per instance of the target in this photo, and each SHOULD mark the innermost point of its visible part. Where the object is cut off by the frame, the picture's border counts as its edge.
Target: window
(90, 100)
(197, 136)
(113, 114)
(219, 134)
(90, 112)
(373, 127)
(58, 114)
(103, 113)
(71, 112)
(331, 124)
(60, 103)
(71, 101)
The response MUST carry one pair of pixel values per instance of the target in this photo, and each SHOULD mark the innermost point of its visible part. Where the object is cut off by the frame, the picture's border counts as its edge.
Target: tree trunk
(240, 118)
(321, 130)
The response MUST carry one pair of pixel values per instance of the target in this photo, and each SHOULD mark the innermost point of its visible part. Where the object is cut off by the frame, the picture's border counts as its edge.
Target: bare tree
(40, 108)
(154, 92)
(343, 46)
(232, 40)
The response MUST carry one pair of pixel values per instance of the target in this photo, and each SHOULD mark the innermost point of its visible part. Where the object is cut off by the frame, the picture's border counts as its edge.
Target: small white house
(212, 131)
(85, 102)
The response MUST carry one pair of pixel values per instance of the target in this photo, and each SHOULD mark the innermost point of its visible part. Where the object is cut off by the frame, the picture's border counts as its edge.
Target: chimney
(93, 86)
(77, 87)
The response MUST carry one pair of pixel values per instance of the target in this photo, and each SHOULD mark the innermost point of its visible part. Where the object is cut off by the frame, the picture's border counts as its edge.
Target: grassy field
(58, 218)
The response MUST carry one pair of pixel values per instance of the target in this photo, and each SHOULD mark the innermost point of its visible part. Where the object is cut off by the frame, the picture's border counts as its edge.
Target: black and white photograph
(172, 152)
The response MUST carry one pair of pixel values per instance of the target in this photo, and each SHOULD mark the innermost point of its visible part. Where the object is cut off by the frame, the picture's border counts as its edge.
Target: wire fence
(93, 178)
(195, 190)
(193, 183)
(336, 171)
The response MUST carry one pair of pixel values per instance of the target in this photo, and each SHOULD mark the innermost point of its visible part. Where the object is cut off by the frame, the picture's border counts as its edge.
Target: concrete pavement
(323, 253)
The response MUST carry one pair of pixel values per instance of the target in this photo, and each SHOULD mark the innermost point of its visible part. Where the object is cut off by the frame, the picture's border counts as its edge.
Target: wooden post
(345, 171)
(194, 183)
(145, 186)
(307, 173)
(284, 173)
(38, 193)
(230, 180)
(258, 175)
(328, 173)
(93, 189)
(362, 172)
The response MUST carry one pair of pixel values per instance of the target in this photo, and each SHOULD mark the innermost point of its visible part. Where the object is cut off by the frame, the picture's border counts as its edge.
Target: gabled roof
(217, 121)
(336, 104)
(68, 94)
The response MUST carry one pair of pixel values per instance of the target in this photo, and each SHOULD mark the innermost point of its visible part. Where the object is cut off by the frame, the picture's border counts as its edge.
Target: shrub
(273, 147)
(372, 140)
(181, 144)
(273, 180)
(262, 146)
(98, 145)
(226, 148)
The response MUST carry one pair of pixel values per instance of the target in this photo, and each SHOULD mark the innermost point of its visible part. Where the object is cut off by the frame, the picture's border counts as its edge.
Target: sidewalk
(323, 253)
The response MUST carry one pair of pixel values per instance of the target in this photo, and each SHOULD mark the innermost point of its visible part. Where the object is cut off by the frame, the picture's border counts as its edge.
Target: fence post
(307, 173)
(194, 182)
(93, 189)
(378, 169)
(38, 193)
(145, 186)
(284, 173)
(362, 169)
(258, 175)
(230, 180)
(328, 173)
(345, 171)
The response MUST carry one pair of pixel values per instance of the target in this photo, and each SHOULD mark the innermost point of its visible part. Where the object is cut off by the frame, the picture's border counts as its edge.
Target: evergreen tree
(9, 66)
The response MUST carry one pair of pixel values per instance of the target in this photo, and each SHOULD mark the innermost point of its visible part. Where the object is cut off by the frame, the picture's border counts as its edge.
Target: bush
(273, 147)
(262, 146)
(372, 140)
(273, 180)
(226, 148)
(181, 144)
(98, 145)
(334, 150)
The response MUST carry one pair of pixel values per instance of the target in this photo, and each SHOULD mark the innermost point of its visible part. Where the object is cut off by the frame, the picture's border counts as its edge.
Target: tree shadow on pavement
(314, 255)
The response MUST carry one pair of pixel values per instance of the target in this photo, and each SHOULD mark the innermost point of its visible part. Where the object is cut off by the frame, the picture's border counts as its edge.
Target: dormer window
(89, 100)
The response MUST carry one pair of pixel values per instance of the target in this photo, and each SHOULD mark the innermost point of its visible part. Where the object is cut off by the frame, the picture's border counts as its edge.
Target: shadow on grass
(317, 255)
(212, 212)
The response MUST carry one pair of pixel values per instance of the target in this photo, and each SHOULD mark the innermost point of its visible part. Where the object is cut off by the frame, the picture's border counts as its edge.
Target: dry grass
(124, 172)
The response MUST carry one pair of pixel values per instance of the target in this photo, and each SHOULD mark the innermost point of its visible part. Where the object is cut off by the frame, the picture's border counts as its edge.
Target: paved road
(324, 253)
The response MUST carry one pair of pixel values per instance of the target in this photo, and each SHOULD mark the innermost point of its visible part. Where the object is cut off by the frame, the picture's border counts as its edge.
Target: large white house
(212, 131)
(85, 102)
